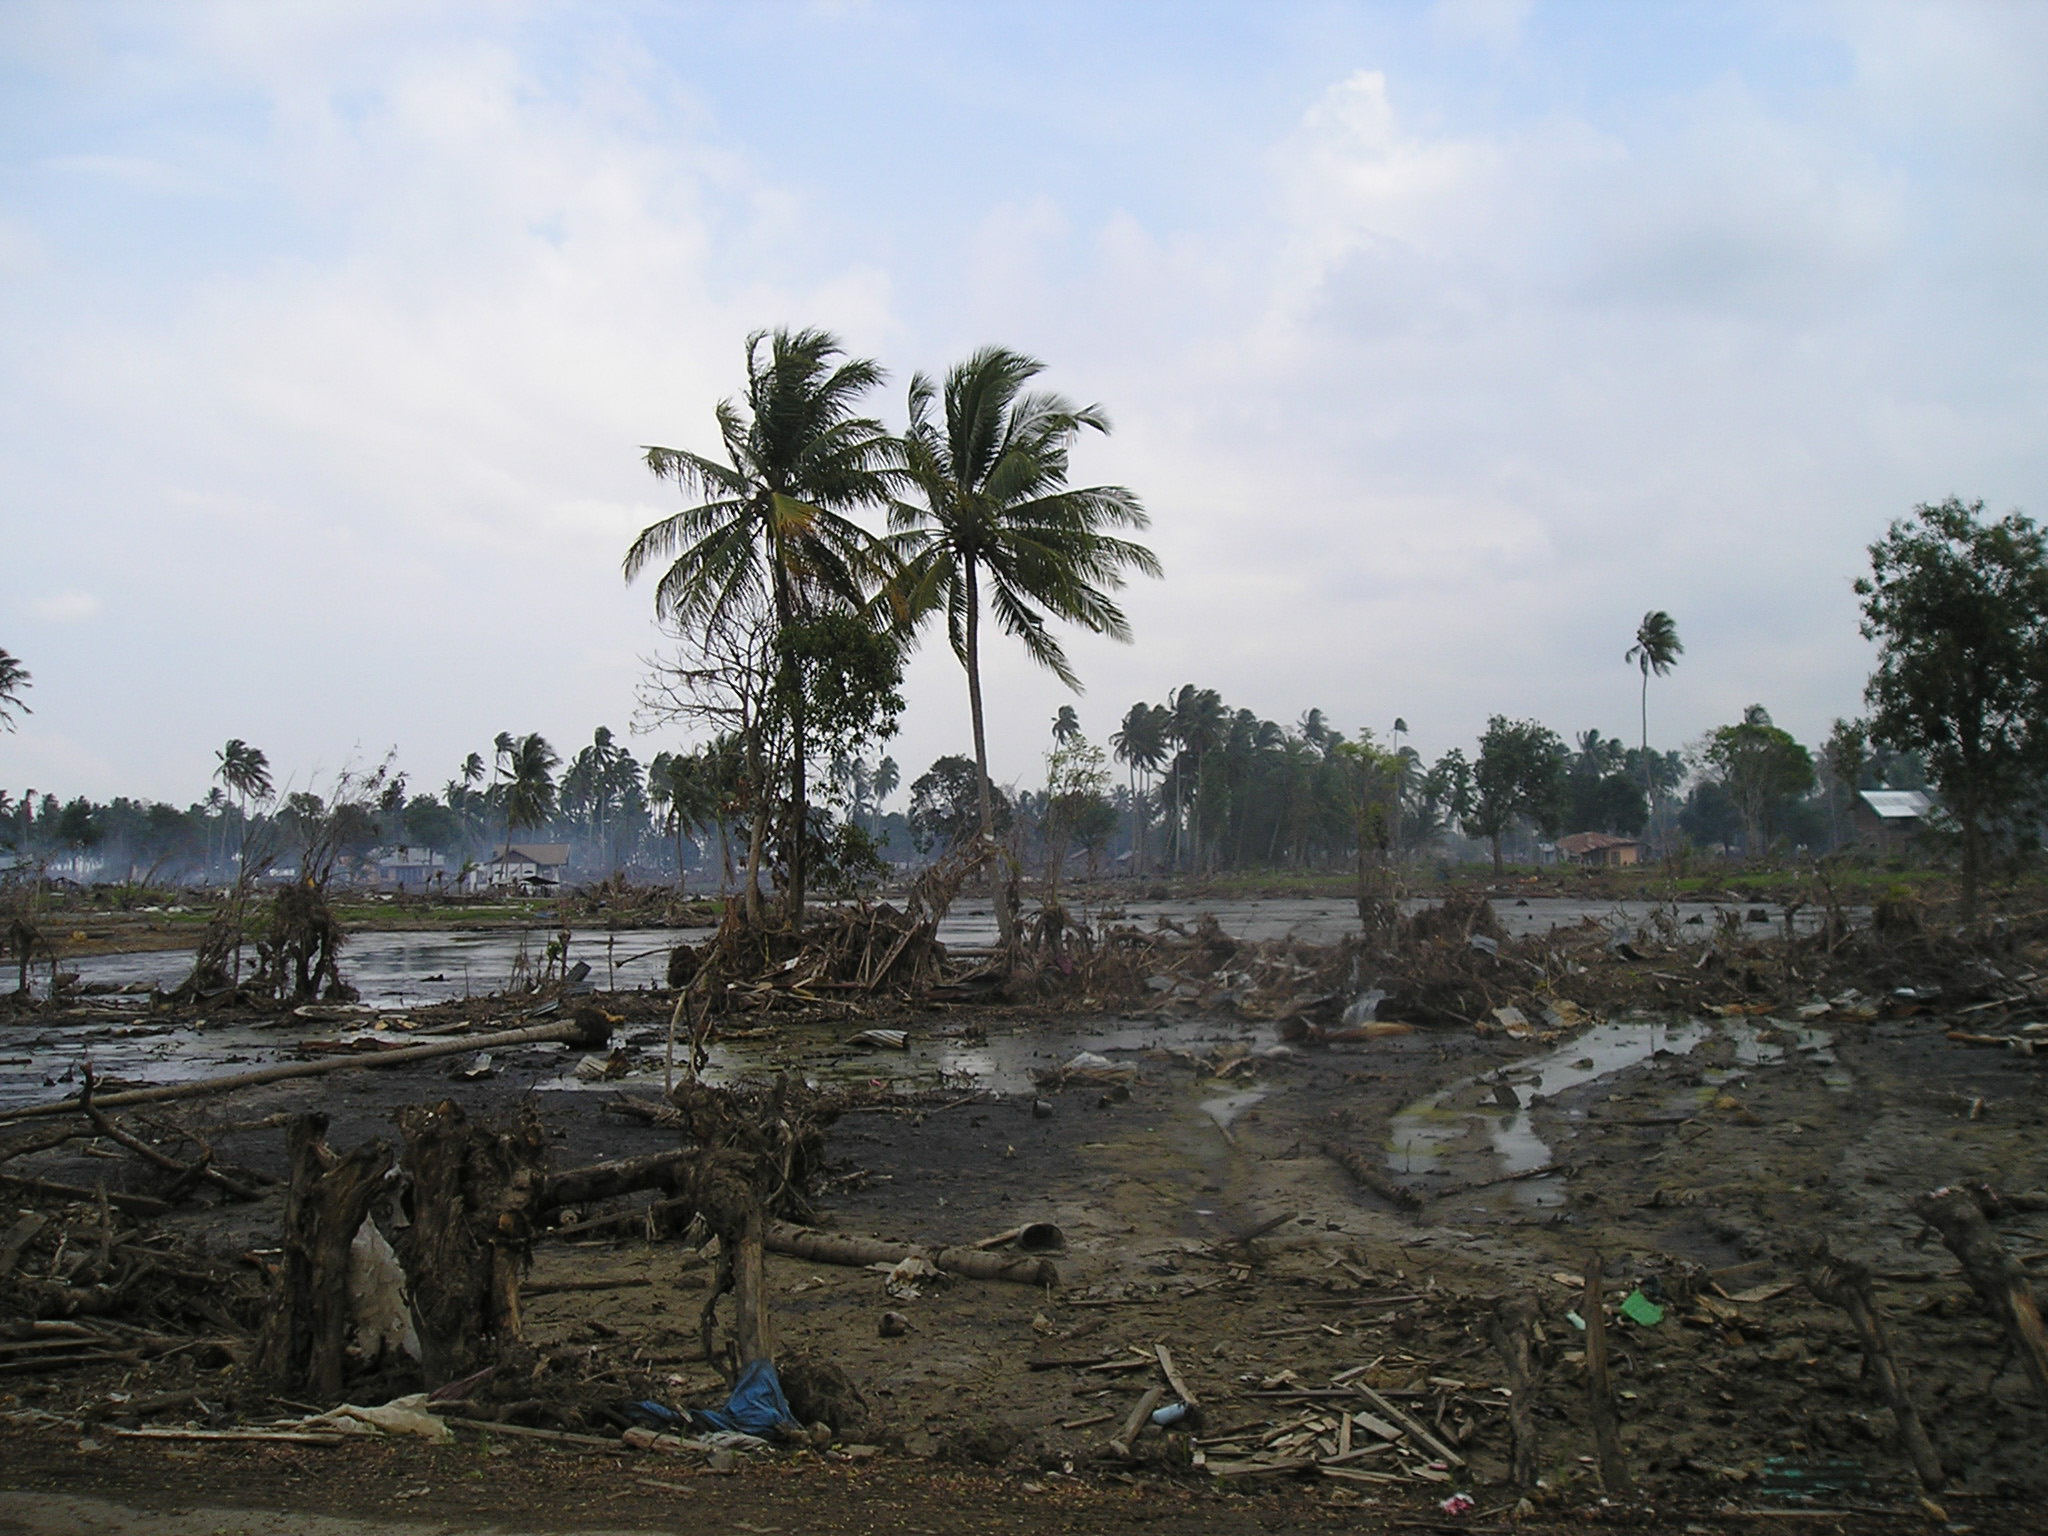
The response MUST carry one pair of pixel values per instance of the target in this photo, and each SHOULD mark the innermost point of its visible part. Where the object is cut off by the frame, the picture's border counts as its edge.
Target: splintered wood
(1347, 1430)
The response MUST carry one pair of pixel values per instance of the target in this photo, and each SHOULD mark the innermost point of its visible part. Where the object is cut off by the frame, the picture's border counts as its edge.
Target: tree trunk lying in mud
(475, 1187)
(1362, 1169)
(859, 1252)
(304, 1341)
(1994, 1274)
(1845, 1284)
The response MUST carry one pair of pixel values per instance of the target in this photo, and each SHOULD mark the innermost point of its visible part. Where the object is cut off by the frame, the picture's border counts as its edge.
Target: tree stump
(1514, 1330)
(304, 1342)
(475, 1189)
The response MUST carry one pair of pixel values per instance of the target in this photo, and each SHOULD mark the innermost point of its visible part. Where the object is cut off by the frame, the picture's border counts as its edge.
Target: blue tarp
(756, 1407)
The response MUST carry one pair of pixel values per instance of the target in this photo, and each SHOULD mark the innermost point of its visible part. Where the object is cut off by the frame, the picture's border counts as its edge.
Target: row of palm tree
(980, 523)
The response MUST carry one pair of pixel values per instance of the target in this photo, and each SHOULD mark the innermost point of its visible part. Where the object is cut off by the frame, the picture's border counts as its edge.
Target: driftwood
(1994, 1274)
(134, 1205)
(1362, 1169)
(1600, 1383)
(474, 1191)
(859, 1252)
(574, 1031)
(1134, 1423)
(602, 1181)
(1845, 1284)
(1514, 1330)
(329, 1195)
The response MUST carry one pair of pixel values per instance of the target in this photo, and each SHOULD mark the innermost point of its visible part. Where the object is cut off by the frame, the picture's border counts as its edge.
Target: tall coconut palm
(1066, 725)
(1657, 650)
(530, 785)
(1140, 744)
(13, 678)
(993, 520)
(1197, 721)
(243, 769)
(770, 525)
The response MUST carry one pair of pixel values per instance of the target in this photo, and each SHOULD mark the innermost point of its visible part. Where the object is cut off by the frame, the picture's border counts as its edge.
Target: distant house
(411, 869)
(521, 867)
(1600, 850)
(1888, 819)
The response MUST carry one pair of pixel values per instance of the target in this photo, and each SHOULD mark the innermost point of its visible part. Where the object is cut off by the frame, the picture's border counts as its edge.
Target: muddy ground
(1701, 1172)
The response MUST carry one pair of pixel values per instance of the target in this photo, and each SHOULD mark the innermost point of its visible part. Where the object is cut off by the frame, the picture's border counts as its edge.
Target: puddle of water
(1449, 1121)
(407, 970)
(1804, 1040)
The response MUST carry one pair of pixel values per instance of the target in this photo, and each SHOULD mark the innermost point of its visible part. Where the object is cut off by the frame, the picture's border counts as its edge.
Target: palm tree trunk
(1006, 920)
(1649, 777)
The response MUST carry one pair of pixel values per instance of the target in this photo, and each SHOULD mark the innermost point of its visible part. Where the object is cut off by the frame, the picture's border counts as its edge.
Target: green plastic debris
(1576, 1321)
(1638, 1308)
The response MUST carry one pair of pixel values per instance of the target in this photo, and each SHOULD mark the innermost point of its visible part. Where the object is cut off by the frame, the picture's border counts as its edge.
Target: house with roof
(1889, 819)
(537, 867)
(1600, 850)
(411, 869)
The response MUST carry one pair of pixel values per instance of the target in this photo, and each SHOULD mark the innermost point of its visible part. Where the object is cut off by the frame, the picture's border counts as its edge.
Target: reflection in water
(1450, 1120)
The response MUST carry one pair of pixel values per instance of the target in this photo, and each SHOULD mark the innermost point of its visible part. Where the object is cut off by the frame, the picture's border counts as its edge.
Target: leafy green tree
(1076, 794)
(1519, 776)
(991, 521)
(1762, 767)
(1959, 610)
(13, 679)
(945, 805)
(771, 525)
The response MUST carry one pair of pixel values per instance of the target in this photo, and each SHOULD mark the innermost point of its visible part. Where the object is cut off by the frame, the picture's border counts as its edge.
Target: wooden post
(303, 1344)
(1845, 1284)
(1994, 1274)
(753, 1328)
(1599, 1384)
(1514, 1333)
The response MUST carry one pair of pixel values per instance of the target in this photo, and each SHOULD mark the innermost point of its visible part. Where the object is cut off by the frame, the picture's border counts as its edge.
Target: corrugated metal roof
(1898, 804)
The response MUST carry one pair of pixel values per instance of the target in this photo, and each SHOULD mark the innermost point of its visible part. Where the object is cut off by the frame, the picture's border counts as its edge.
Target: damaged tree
(476, 1188)
(304, 1341)
(756, 1147)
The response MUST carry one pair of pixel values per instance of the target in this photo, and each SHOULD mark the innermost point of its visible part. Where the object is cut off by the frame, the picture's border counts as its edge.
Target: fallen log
(1845, 1285)
(1362, 1170)
(571, 1031)
(134, 1205)
(1994, 1274)
(602, 1181)
(859, 1252)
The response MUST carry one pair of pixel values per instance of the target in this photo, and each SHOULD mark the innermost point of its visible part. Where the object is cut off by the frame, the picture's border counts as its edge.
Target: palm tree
(472, 770)
(1066, 725)
(770, 525)
(1657, 650)
(1197, 720)
(988, 465)
(13, 678)
(530, 794)
(244, 769)
(1140, 745)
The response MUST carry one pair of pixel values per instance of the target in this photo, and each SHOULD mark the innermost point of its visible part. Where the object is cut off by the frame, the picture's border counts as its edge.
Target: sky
(1441, 340)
